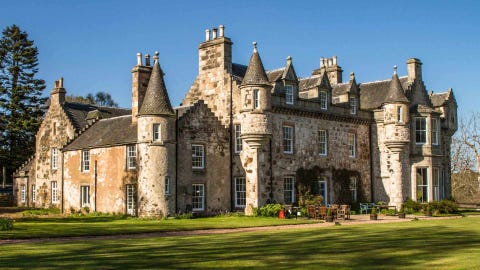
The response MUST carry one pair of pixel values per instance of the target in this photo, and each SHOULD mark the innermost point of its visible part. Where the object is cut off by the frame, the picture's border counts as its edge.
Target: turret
(156, 148)
(57, 96)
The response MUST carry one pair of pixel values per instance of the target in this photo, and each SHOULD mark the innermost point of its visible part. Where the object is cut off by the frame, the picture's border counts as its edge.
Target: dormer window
(289, 94)
(256, 99)
(323, 96)
(353, 105)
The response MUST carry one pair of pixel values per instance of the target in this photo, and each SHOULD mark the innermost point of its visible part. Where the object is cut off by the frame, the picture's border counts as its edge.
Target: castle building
(243, 137)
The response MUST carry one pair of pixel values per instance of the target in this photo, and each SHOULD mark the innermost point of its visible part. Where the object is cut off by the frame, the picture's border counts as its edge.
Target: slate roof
(156, 101)
(395, 91)
(439, 99)
(374, 94)
(340, 89)
(106, 132)
(238, 71)
(275, 75)
(255, 72)
(78, 112)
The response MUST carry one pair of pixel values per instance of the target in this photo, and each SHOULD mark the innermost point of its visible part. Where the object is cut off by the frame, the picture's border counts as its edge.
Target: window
(54, 158)
(322, 141)
(130, 190)
(400, 114)
(435, 132)
(353, 188)
(198, 156)
(256, 99)
(288, 139)
(198, 197)
(85, 196)
(353, 105)
(23, 193)
(131, 156)
(323, 96)
(240, 192)
(436, 184)
(167, 185)
(420, 130)
(238, 140)
(289, 190)
(85, 161)
(422, 185)
(322, 191)
(352, 144)
(34, 194)
(54, 192)
(289, 94)
(157, 135)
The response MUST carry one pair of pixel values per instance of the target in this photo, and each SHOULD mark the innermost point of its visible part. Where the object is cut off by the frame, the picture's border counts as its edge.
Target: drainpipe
(271, 170)
(176, 161)
(95, 188)
(63, 182)
(370, 131)
(232, 194)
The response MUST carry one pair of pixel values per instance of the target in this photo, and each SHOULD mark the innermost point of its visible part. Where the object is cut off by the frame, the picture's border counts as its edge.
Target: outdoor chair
(335, 208)
(311, 211)
(344, 211)
(322, 212)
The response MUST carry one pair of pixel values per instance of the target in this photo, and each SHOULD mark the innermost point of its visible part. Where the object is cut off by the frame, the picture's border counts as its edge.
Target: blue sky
(93, 44)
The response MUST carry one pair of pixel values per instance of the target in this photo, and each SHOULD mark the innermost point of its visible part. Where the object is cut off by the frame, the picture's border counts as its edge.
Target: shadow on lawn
(361, 247)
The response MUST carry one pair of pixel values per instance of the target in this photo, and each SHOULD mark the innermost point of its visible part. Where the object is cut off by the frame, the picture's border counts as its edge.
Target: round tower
(256, 131)
(397, 138)
(156, 149)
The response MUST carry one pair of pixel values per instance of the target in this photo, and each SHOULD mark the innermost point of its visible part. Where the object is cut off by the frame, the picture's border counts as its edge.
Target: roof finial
(289, 60)
(395, 70)
(254, 47)
(352, 76)
(155, 58)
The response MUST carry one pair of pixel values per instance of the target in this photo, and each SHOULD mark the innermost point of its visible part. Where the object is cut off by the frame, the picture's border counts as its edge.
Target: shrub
(41, 212)
(6, 224)
(374, 211)
(447, 206)
(269, 210)
(184, 216)
(410, 206)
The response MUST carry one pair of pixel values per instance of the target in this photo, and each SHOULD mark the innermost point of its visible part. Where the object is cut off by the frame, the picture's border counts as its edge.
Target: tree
(20, 96)
(100, 98)
(465, 158)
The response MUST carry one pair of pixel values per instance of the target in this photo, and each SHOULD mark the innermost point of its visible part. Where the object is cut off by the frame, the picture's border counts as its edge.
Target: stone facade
(244, 137)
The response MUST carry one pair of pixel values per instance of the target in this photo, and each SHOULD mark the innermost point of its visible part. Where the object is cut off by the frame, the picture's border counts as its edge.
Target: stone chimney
(57, 96)
(215, 52)
(334, 71)
(414, 69)
(140, 78)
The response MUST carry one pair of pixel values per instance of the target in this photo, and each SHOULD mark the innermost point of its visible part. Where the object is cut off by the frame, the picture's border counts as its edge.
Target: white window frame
(400, 114)
(323, 142)
(423, 186)
(288, 139)
(436, 183)
(353, 188)
(54, 158)
(198, 197)
(238, 139)
(131, 157)
(289, 94)
(156, 132)
(323, 98)
(198, 156)
(421, 131)
(435, 132)
(23, 193)
(85, 161)
(289, 189)
(324, 194)
(130, 199)
(54, 191)
(167, 185)
(353, 105)
(240, 192)
(84, 196)
(352, 144)
(34, 193)
(256, 98)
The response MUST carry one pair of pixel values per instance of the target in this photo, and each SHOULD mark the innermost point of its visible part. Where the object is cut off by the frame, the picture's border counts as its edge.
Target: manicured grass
(429, 244)
(108, 225)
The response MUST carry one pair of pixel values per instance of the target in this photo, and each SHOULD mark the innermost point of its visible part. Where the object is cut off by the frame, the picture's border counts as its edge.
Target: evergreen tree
(20, 97)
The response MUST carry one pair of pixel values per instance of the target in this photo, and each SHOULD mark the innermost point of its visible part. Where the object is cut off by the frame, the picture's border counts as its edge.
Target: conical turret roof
(156, 101)
(395, 92)
(255, 74)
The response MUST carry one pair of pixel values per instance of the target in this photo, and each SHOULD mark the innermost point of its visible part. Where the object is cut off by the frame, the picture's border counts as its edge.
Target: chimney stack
(221, 33)
(414, 69)
(57, 96)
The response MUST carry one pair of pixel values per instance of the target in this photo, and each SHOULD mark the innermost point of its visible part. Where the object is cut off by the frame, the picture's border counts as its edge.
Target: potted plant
(401, 213)
(329, 217)
(373, 214)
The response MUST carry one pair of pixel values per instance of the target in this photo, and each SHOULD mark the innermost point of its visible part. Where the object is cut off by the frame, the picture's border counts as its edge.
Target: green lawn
(108, 225)
(428, 244)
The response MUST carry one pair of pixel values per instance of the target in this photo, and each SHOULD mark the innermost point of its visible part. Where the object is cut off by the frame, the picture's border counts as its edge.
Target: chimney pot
(207, 34)
(147, 59)
(139, 59)
(330, 62)
(222, 30)
(335, 60)
(214, 33)
(60, 82)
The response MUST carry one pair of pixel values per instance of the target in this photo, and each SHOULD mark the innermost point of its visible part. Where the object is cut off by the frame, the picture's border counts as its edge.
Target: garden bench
(365, 207)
